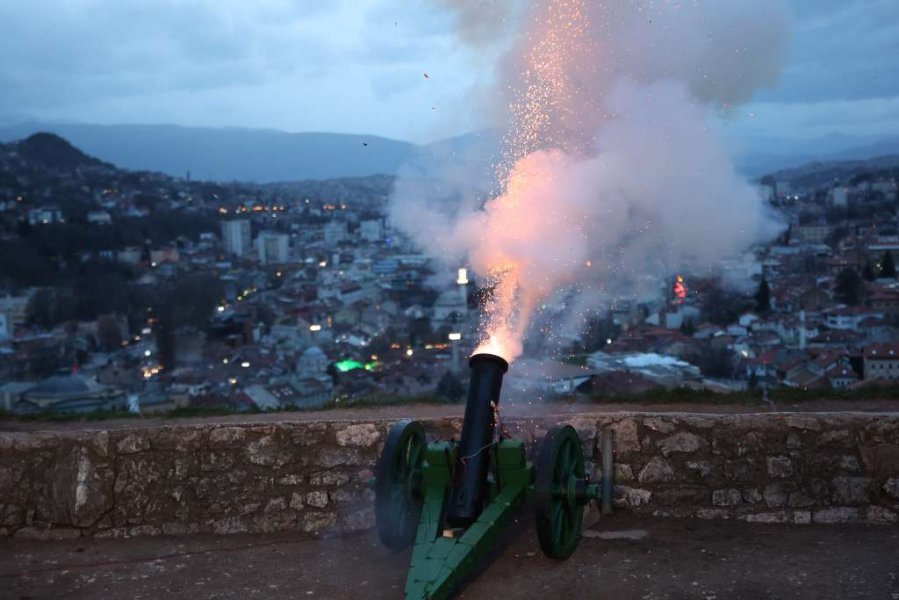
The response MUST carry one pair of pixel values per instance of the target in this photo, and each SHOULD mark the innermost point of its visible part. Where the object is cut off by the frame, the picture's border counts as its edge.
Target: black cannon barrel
(469, 491)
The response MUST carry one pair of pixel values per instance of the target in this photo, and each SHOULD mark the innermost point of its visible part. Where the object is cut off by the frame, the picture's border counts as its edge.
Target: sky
(358, 66)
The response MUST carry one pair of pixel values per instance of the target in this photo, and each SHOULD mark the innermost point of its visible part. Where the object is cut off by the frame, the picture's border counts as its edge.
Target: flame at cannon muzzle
(470, 489)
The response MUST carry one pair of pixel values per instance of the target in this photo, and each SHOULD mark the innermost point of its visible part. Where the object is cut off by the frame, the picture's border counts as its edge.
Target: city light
(409, 352)
(220, 308)
(315, 327)
(455, 337)
(245, 365)
(462, 278)
(147, 352)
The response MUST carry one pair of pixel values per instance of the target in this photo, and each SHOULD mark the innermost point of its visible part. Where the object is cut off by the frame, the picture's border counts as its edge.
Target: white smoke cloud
(630, 180)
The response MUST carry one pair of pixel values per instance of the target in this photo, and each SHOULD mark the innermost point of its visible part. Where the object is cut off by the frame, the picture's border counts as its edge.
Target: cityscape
(138, 292)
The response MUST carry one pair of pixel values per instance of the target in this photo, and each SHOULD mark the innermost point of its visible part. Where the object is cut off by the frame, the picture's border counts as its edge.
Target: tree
(887, 267)
(868, 272)
(450, 388)
(763, 296)
(850, 288)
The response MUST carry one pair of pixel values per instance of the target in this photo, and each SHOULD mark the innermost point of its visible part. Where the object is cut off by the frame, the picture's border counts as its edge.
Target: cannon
(451, 500)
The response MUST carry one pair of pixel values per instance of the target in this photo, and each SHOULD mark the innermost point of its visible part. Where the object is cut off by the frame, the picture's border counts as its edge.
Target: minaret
(802, 330)
(462, 280)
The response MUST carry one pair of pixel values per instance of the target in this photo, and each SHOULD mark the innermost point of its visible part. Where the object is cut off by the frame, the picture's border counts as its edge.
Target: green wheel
(559, 496)
(398, 491)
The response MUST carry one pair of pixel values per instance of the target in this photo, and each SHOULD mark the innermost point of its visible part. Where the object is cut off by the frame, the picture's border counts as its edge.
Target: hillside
(255, 155)
(819, 173)
(47, 151)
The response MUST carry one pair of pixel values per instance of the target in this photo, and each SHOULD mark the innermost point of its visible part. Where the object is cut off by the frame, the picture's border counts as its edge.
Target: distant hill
(819, 173)
(757, 156)
(53, 152)
(255, 155)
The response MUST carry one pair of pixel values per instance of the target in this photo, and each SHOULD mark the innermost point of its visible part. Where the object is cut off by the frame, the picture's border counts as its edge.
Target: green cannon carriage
(451, 500)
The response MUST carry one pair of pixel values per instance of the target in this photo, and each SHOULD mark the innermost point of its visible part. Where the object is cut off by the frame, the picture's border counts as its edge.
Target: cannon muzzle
(470, 489)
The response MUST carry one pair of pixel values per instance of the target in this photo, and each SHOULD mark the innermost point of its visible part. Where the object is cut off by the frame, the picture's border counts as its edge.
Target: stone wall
(311, 476)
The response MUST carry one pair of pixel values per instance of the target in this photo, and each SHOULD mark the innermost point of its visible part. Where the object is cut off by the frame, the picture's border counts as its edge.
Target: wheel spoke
(558, 521)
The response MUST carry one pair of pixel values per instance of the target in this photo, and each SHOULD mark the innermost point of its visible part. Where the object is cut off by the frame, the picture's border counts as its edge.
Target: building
(99, 217)
(371, 231)
(335, 232)
(13, 312)
(73, 393)
(881, 361)
(45, 215)
(273, 247)
(236, 237)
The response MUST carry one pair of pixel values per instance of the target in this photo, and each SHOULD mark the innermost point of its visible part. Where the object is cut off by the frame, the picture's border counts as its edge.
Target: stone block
(779, 467)
(775, 494)
(841, 514)
(729, 497)
(629, 497)
(878, 514)
(656, 470)
(318, 521)
(803, 422)
(838, 438)
(712, 513)
(744, 470)
(335, 457)
(849, 464)
(318, 499)
(800, 500)
(626, 437)
(266, 452)
(227, 437)
(701, 467)
(850, 491)
(132, 444)
(681, 442)
(802, 517)
(882, 459)
(623, 472)
(296, 501)
(752, 495)
(658, 424)
(329, 478)
(361, 435)
(767, 517)
(891, 487)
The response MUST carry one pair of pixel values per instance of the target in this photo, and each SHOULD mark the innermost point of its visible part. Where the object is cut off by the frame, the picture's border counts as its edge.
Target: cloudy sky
(358, 66)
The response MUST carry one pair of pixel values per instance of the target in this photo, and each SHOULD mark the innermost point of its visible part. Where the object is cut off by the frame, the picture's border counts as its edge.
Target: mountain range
(266, 155)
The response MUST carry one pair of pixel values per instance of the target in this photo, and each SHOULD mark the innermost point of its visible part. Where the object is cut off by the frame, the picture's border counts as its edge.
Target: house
(849, 317)
(880, 361)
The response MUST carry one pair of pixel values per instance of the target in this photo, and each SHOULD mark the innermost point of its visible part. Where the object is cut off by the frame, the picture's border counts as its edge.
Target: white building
(371, 231)
(99, 217)
(13, 311)
(335, 232)
(840, 196)
(44, 215)
(236, 237)
(273, 247)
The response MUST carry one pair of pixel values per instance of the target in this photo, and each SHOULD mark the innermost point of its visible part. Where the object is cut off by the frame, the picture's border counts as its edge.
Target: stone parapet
(312, 476)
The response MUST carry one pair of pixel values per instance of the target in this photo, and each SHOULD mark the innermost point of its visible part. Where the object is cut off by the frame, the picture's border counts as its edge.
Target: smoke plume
(612, 172)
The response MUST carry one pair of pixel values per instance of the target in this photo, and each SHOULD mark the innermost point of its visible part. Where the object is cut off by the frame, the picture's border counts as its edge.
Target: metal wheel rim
(559, 516)
(398, 493)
